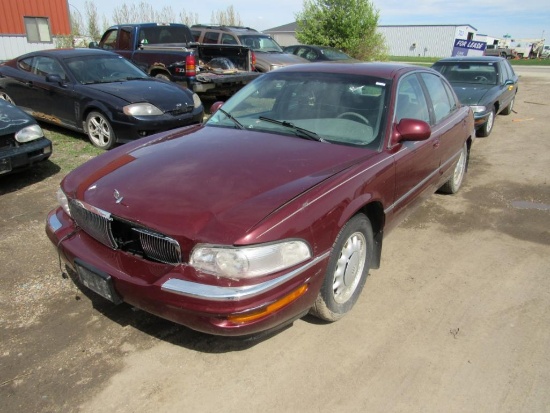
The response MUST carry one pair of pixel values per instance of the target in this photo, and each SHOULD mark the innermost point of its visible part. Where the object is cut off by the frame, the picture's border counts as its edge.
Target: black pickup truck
(168, 51)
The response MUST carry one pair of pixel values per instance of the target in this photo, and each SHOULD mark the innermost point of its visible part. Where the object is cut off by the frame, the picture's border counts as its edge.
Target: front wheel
(347, 270)
(6, 97)
(455, 181)
(100, 131)
(487, 127)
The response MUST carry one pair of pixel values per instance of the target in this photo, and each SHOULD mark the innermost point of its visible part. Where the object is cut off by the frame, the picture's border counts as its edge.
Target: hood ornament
(117, 196)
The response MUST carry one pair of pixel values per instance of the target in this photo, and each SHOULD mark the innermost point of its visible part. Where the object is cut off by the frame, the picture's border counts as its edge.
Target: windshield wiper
(304, 132)
(230, 116)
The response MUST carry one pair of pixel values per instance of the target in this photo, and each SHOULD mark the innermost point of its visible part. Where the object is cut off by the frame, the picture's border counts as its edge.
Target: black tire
(163, 76)
(100, 131)
(487, 127)
(347, 270)
(6, 97)
(508, 109)
(455, 181)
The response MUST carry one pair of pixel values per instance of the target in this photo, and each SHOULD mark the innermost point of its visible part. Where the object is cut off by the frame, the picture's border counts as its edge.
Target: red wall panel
(13, 11)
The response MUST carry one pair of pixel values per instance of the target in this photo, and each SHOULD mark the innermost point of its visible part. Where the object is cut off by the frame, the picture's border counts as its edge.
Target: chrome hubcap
(349, 268)
(99, 131)
(460, 168)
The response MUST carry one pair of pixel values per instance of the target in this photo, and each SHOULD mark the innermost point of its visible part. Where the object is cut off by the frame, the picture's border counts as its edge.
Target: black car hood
(12, 119)
(470, 94)
(165, 96)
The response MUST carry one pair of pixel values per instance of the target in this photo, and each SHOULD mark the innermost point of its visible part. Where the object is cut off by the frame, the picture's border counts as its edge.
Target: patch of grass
(70, 149)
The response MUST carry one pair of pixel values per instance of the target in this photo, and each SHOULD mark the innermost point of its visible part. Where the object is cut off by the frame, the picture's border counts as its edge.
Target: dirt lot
(456, 320)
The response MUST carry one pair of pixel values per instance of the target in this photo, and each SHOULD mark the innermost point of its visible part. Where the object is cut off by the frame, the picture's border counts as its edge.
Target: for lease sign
(464, 47)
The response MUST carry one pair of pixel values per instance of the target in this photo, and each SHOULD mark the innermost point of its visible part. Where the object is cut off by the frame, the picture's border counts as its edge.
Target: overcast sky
(496, 18)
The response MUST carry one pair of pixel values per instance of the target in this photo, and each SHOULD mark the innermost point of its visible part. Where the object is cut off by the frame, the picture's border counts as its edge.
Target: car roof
(471, 59)
(377, 69)
(67, 53)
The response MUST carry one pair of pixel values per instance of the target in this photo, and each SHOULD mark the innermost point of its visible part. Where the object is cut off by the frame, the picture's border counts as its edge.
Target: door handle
(436, 144)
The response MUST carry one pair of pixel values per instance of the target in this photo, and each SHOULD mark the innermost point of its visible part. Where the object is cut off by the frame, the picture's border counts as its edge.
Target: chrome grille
(120, 234)
(159, 247)
(94, 221)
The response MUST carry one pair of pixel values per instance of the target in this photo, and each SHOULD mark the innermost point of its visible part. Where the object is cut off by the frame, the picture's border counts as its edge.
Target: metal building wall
(13, 11)
(428, 41)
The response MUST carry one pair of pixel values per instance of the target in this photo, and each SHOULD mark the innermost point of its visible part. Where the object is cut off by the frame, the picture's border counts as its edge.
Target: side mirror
(54, 79)
(508, 82)
(215, 106)
(411, 130)
(93, 45)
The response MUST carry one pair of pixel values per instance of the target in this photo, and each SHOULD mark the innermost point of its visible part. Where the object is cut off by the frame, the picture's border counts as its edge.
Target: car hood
(207, 181)
(12, 119)
(470, 94)
(165, 96)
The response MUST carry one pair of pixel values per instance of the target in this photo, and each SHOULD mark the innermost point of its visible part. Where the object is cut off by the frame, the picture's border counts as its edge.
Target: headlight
(196, 100)
(141, 109)
(63, 201)
(249, 262)
(30, 133)
(479, 109)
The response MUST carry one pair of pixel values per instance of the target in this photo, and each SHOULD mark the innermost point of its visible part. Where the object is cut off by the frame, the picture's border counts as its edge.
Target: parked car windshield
(103, 69)
(484, 73)
(332, 107)
(260, 43)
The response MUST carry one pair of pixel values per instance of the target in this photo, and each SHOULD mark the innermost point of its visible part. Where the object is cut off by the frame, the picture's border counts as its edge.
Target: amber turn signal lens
(269, 309)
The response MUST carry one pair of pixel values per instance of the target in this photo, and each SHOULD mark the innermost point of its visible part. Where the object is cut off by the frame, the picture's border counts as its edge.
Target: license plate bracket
(98, 281)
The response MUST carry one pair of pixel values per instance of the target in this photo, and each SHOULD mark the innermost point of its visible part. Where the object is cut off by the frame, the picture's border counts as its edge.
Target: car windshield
(334, 54)
(484, 73)
(260, 43)
(325, 107)
(103, 69)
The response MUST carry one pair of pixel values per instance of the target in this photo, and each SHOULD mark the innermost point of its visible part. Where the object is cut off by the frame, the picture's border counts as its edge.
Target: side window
(452, 96)
(411, 102)
(210, 37)
(43, 66)
(196, 35)
(124, 40)
(228, 39)
(438, 95)
(26, 64)
(508, 72)
(109, 40)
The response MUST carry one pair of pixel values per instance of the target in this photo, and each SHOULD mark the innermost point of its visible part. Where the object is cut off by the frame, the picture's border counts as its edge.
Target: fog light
(269, 309)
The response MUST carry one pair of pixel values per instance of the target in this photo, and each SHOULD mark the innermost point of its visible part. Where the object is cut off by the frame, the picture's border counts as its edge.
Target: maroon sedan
(274, 208)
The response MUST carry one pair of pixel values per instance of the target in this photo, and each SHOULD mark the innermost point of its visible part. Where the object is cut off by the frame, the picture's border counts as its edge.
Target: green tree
(349, 25)
(92, 21)
(228, 17)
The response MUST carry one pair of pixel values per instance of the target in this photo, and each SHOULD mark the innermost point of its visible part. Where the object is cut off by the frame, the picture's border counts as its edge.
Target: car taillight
(190, 66)
(253, 60)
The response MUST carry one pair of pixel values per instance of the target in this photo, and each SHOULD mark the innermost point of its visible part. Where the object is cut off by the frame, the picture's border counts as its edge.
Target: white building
(436, 40)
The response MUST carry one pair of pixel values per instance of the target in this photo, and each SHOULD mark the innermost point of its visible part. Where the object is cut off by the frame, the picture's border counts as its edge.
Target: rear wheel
(508, 109)
(487, 127)
(163, 76)
(347, 270)
(100, 131)
(455, 181)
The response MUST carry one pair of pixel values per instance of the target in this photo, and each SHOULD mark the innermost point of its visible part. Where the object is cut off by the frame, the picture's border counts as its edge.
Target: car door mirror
(215, 106)
(508, 82)
(412, 130)
(93, 45)
(54, 79)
